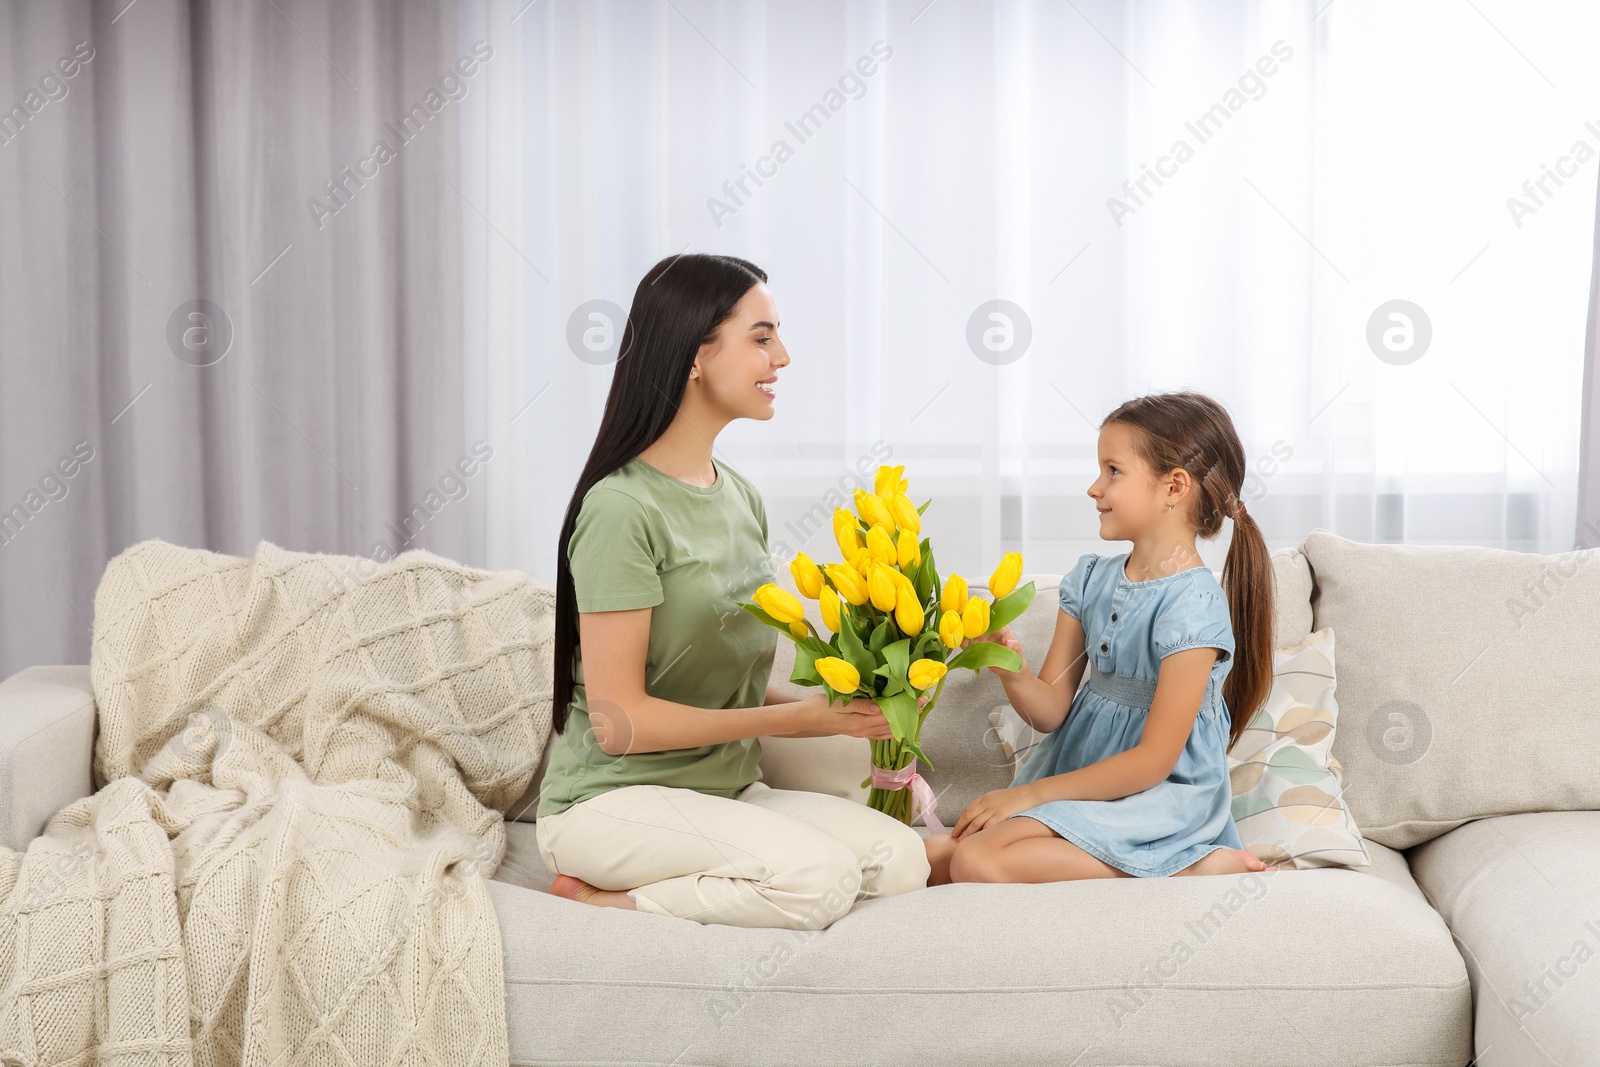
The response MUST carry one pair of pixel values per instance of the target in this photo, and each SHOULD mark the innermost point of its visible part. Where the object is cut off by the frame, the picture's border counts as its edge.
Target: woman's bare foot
(572, 888)
(1227, 861)
(940, 848)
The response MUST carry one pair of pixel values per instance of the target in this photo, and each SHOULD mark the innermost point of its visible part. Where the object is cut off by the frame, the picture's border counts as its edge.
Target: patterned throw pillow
(1287, 791)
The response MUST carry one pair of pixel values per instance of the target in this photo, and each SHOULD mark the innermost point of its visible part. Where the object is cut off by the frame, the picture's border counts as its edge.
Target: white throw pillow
(1288, 793)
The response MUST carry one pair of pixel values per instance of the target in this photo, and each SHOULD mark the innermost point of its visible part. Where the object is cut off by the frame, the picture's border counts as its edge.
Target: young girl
(1133, 777)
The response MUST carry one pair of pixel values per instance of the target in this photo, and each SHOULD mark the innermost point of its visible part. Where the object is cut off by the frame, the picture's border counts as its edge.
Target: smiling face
(739, 366)
(1132, 500)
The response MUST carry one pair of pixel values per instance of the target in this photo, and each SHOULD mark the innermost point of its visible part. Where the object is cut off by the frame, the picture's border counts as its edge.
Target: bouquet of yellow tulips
(895, 629)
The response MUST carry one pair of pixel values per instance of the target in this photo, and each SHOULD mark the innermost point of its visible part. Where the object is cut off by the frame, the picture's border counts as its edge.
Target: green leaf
(901, 711)
(893, 669)
(916, 749)
(847, 619)
(805, 671)
(806, 654)
(922, 580)
(986, 654)
(928, 642)
(924, 506)
(897, 657)
(880, 637)
(1010, 606)
(892, 685)
(854, 653)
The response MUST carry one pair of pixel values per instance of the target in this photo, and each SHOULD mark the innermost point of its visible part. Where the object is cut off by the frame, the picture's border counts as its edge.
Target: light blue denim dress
(1128, 628)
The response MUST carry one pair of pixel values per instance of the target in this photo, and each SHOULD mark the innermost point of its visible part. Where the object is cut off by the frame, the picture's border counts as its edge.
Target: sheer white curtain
(1177, 195)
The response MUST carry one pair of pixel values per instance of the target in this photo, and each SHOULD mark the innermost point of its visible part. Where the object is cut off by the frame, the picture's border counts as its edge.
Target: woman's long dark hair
(678, 306)
(1193, 431)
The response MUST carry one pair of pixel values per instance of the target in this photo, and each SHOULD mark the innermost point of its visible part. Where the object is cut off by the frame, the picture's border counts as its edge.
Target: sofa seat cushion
(1521, 894)
(1334, 965)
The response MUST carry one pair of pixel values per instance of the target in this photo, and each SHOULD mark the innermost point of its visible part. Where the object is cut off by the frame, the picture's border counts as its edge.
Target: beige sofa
(1468, 734)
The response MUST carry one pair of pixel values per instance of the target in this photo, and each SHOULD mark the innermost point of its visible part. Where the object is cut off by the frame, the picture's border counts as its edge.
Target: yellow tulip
(950, 630)
(925, 673)
(902, 583)
(1004, 578)
(881, 545)
(908, 613)
(954, 597)
(840, 675)
(799, 630)
(905, 512)
(781, 604)
(861, 561)
(881, 587)
(975, 619)
(888, 480)
(830, 609)
(849, 584)
(807, 578)
(908, 551)
(845, 532)
(875, 512)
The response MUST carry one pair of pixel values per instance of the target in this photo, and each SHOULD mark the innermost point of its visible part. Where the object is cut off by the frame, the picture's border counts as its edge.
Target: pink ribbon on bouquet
(921, 791)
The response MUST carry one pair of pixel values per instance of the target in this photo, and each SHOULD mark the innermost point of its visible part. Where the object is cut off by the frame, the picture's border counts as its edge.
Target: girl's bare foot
(940, 848)
(572, 888)
(1227, 861)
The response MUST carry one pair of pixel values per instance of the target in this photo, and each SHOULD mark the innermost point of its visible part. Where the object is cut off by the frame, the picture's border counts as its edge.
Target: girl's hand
(1003, 636)
(993, 808)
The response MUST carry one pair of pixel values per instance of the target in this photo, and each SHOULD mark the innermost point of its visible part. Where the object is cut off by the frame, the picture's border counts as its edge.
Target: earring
(694, 374)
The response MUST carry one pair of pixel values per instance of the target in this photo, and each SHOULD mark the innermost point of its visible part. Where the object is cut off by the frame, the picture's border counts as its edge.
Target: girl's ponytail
(1247, 579)
(1192, 431)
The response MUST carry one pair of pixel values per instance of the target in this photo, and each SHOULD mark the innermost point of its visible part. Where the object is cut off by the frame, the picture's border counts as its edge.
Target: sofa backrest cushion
(1468, 681)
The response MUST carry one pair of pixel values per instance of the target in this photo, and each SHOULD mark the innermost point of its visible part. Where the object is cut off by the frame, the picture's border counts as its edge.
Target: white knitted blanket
(302, 764)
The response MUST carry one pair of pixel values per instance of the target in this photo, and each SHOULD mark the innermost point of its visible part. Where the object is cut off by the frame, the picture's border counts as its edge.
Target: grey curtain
(225, 314)
(1589, 446)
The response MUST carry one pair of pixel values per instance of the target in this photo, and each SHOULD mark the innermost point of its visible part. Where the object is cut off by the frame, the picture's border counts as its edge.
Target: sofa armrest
(46, 748)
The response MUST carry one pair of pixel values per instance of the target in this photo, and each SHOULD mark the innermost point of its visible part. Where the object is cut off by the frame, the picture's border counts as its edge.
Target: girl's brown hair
(1192, 431)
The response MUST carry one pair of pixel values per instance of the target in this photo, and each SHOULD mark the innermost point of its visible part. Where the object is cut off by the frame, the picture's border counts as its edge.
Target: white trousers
(765, 858)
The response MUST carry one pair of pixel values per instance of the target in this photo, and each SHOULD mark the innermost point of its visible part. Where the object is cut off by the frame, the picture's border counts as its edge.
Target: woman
(651, 799)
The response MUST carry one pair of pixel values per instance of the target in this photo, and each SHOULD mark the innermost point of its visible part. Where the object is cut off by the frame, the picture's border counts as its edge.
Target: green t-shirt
(644, 539)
